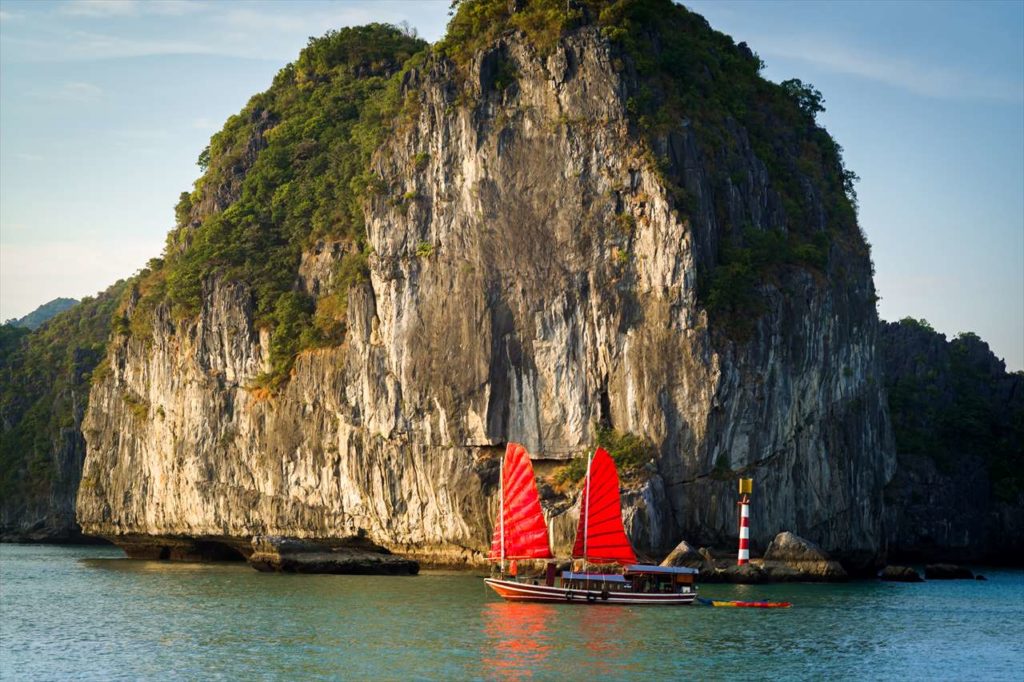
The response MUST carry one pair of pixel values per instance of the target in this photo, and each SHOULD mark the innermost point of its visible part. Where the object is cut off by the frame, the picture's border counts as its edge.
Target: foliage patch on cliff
(954, 399)
(289, 169)
(681, 71)
(629, 451)
(44, 392)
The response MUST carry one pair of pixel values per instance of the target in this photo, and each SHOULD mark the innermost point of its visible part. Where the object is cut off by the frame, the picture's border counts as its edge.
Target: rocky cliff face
(533, 273)
(958, 493)
(45, 512)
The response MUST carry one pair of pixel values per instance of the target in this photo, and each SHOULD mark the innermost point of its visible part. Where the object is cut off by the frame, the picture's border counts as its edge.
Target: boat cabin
(670, 579)
(637, 578)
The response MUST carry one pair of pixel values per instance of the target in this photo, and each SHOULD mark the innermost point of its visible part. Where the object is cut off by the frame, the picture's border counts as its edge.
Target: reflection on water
(519, 638)
(600, 630)
(81, 613)
(123, 565)
(522, 637)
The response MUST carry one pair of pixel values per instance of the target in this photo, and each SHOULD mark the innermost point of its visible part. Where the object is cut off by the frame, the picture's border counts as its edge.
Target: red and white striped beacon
(746, 488)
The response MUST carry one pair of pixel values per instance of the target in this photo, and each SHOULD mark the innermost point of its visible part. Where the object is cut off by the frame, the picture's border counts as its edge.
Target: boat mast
(586, 517)
(501, 512)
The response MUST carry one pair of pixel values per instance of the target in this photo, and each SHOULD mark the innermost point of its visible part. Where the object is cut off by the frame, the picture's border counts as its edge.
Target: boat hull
(517, 591)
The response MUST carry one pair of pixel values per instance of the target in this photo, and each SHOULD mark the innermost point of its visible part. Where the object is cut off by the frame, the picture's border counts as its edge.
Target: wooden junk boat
(520, 533)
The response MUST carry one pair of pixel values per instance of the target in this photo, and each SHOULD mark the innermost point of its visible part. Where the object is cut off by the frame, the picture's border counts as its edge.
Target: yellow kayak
(747, 604)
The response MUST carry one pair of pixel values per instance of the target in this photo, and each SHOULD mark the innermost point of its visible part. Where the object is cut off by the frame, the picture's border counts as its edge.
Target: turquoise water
(87, 613)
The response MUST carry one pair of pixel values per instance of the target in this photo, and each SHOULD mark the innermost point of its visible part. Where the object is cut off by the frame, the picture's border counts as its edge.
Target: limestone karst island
(574, 299)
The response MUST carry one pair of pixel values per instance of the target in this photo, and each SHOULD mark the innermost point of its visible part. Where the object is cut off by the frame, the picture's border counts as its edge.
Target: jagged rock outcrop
(686, 555)
(746, 574)
(532, 274)
(351, 557)
(790, 557)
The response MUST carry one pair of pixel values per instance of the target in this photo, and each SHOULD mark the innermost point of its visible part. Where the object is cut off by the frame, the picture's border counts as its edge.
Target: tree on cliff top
(289, 169)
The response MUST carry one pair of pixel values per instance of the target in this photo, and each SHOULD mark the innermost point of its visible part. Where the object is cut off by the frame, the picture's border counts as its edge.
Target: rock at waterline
(290, 555)
(792, 558)
(900, 574)
(789, 547)
(947, 572)
(747, 574)
(686, 555)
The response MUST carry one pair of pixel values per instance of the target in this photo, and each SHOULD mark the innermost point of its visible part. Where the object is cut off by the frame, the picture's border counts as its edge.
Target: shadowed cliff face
(47, 514)
(531, 275)
(958, 417)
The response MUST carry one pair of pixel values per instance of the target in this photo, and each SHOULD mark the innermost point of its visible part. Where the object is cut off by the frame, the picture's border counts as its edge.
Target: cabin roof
(650, 568)
(596, 577)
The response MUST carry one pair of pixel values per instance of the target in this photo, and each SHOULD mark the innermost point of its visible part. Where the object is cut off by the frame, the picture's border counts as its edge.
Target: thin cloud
(920, 79)
(129, 8)
(245, 26)
(253, 20)
(100, 8)
(73, 46)
(174, 8)
(101, 46)
(142, 141)
(75, 91)
(260, 30)
(136, 135)
(72, 91)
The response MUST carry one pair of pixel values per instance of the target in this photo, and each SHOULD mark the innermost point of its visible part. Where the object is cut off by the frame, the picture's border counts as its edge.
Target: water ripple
(85, 613)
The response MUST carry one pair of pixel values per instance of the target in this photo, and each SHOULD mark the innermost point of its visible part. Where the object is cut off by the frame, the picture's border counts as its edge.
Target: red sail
(600, 536)
(526, 536)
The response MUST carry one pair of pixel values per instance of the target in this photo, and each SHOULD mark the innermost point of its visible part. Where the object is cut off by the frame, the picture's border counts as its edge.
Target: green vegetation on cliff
(43, 393)
(679, 69)
(689, 72)
(950, 400)
(629, 451)
(289, 169)
(293, 166)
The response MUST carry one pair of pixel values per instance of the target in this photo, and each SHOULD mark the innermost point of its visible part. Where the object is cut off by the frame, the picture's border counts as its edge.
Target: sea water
(88, 613)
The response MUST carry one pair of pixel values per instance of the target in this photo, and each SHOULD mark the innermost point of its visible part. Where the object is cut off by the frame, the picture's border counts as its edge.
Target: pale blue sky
(104, 106)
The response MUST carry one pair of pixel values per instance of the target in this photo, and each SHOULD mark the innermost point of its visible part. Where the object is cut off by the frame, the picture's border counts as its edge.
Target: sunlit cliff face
(533, 273)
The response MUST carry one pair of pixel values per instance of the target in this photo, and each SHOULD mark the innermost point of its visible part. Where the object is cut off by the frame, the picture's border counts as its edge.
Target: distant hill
(43, 313)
